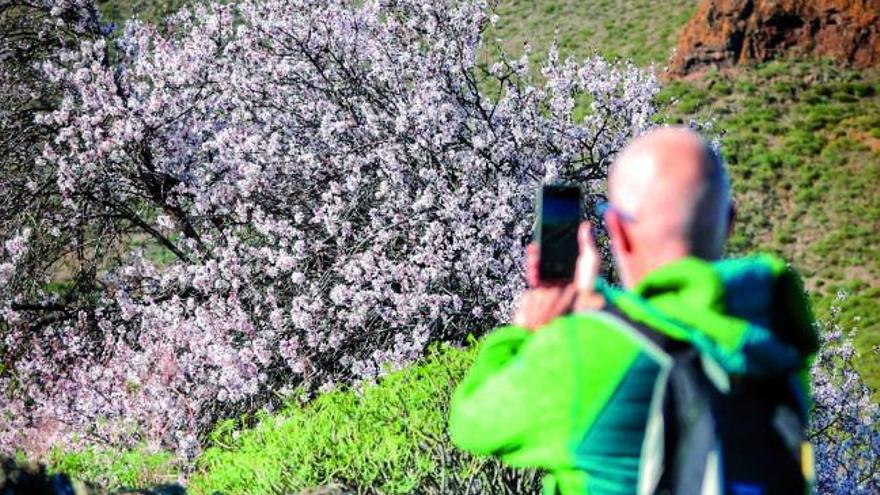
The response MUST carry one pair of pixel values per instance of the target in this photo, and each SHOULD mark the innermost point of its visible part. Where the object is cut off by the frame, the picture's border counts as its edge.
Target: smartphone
(559, 215)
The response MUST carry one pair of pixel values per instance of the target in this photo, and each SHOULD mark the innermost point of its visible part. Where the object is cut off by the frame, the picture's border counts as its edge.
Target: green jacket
(574, 397)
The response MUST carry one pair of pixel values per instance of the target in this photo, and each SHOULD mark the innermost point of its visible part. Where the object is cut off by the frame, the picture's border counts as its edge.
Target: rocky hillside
(724, 33)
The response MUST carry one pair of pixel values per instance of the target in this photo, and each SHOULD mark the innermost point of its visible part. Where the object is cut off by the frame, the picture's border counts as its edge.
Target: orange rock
(723, 33)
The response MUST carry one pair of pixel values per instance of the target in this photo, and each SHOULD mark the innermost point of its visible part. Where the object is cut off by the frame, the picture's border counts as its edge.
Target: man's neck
(657, 258)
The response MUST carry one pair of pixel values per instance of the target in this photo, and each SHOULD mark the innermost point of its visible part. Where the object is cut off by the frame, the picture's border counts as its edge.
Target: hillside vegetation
(120, 10)
(643, 31)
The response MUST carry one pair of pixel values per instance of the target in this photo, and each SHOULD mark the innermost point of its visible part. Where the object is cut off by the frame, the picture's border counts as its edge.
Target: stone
(725, 33)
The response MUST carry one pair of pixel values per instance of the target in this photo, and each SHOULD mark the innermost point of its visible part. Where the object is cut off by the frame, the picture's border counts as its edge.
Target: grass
(120, 10)
(629, 29)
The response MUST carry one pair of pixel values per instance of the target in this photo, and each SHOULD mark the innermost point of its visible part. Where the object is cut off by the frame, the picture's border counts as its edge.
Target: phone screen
(558, 220)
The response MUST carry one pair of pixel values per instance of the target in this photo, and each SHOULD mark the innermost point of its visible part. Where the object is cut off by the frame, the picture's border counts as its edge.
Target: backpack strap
(666, 343)
(688, 449)
(693, 455)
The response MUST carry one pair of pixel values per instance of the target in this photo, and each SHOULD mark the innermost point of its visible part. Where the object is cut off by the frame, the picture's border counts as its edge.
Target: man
(571, 386)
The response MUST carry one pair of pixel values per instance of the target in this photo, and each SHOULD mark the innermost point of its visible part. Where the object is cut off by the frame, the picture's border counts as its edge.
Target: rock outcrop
(723, 33)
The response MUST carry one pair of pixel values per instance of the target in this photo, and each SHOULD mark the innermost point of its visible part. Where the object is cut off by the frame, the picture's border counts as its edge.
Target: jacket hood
(750, 314)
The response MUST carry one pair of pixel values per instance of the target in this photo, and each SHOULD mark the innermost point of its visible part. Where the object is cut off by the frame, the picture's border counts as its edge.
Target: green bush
(133, 469)
(386, 438)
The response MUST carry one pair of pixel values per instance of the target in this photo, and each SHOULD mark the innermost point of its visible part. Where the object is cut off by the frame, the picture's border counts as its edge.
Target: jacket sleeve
(517, 401)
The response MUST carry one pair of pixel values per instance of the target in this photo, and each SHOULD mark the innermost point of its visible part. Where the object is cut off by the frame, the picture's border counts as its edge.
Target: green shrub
(129, 469)
(386, 438)
(800, 142)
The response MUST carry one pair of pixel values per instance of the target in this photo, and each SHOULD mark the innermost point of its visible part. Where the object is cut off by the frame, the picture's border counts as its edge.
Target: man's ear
(617, 233)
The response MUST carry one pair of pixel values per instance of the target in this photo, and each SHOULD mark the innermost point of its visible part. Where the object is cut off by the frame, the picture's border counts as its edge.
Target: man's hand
(587, 271)
(544, 301)
(541, 305)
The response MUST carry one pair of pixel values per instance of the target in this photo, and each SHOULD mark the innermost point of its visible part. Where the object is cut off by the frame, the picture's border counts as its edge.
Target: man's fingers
(587, 268)
(541, 305)
(565, 299)
(585, 237)
(556, 298)
(532, 265)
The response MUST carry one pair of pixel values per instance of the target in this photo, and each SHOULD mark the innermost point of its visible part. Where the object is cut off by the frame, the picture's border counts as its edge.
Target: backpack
(712, 433)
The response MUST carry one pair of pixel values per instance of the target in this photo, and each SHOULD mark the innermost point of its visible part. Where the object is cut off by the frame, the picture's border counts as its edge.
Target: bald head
(673, 185)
